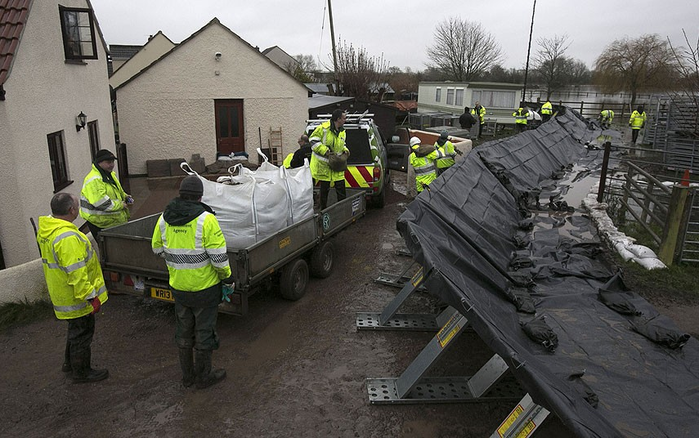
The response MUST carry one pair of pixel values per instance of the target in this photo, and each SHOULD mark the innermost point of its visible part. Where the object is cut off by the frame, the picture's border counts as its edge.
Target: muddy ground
(294, 368)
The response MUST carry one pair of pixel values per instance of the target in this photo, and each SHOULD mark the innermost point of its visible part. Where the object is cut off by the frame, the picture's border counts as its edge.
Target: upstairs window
(78, 33)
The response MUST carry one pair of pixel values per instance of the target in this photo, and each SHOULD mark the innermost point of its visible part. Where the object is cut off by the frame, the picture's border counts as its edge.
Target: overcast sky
(402, 30)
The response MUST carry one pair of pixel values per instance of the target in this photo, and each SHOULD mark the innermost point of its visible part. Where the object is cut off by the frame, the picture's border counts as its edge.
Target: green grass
(677, 281)
(16, 314)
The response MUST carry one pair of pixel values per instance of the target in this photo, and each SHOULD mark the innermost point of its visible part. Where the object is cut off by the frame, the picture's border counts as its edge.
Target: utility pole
(332, 37)
(529, 49)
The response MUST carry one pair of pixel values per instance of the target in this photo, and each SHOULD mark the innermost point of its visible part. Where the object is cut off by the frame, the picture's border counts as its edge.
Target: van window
(357, 142)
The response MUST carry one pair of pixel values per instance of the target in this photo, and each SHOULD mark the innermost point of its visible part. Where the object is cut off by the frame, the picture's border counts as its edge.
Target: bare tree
(550, 62)
(463, 50)
(302, 68)
(637, 65)
(359, 74)
(687, 62)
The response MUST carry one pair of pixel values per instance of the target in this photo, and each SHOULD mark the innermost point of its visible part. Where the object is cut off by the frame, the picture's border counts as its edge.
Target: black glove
(229, 280)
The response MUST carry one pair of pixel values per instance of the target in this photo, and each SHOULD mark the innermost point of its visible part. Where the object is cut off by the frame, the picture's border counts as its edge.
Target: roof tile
(13, 17)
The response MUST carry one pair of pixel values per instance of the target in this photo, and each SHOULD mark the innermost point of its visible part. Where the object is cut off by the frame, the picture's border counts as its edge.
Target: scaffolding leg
(413, 387)
(524, 419)
(388, 319)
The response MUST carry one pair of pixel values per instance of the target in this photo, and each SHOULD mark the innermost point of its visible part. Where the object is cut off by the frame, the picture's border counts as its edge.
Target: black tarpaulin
(466, 231)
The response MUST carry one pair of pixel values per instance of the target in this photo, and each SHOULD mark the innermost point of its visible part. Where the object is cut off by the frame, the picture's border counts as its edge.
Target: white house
(53, 67)
(212, 93)
(499, 99)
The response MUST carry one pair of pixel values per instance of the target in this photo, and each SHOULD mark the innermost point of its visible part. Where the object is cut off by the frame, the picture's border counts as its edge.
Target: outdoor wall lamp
(80, 121)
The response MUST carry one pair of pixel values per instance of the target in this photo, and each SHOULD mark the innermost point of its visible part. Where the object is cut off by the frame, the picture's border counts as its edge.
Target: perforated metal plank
(440, 390)
(399, 321)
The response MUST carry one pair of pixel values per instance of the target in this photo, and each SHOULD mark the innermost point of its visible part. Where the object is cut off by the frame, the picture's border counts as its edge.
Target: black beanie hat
(104, 155)
(192, 185)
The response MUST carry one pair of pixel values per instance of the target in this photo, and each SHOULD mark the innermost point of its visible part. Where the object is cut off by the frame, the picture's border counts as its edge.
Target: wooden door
(229, 126)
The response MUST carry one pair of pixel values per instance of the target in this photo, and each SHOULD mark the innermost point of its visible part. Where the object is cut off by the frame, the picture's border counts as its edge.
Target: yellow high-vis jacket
(195, 253)
(102, 203)
(322, 140)
(448, 155)
(71, 268)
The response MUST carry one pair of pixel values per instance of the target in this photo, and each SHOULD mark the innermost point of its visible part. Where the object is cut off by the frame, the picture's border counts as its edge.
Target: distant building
(281, 58)
(156, 47)
(499, 99)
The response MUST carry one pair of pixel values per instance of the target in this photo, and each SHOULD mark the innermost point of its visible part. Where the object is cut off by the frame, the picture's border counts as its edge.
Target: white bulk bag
(249, 210)
(297, 182)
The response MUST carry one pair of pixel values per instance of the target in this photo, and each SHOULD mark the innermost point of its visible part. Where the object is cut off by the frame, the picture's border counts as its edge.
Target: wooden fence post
(676, 224)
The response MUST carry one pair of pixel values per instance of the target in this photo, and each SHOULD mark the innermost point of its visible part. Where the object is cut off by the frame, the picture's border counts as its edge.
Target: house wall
(427, 97)
(168, 110)
(44, 95)
(505, 96)
(154, 49)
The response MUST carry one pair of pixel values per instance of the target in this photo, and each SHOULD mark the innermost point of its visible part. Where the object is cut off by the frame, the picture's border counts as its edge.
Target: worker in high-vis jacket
(521, 116)
(75, 283)
(447, 151)
(103, 202)
(190, 239)
(546, 111)
(329, 138)
(478, 112)
(636, 122)
(423, 161)
(606, 118)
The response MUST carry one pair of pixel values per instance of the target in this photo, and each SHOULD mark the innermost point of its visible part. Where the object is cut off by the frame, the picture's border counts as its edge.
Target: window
(94, 137)
(450, 96)
(57, 156)
(78, 33)
(459, 97)
(438, 95)
(495, 99)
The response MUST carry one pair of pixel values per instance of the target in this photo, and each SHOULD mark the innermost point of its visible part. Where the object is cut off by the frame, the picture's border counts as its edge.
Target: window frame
(67, 49)
(450, 94)
(58, 160)
(94, 137)
(459, 97)
(438, 94)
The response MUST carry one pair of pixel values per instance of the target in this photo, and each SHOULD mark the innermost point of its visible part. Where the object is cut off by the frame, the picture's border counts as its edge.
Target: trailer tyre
(322, 260)
(294, 280)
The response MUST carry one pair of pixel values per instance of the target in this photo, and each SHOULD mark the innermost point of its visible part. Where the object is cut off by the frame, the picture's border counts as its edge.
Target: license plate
(161, 294)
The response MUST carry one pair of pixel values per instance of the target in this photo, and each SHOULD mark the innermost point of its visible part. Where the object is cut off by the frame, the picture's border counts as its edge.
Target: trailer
(288, 257)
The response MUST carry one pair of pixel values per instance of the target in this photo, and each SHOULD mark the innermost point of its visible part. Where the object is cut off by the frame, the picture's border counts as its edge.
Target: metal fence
(640, 190)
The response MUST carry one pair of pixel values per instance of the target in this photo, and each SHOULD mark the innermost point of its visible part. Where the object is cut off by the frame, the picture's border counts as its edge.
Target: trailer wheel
(322, 260)
(294, 279)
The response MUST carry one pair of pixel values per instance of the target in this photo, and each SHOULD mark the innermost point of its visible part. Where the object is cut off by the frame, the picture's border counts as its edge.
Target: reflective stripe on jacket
(547, 108)
(71, 268)
(195, 253)
(425, 169)
(607, 115)
(101, 203)
(637, 119)
(323, 139)
(448, 154)
(521, 116)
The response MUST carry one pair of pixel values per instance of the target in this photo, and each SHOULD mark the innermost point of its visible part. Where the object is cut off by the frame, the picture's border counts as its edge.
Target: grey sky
(401, 30)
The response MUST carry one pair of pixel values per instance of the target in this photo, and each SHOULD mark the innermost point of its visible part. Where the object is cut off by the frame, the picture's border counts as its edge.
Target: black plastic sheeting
(497, 243)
